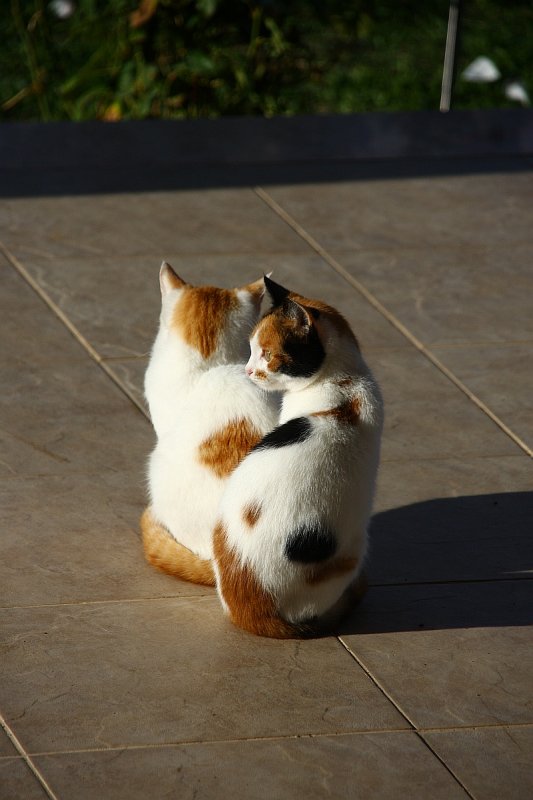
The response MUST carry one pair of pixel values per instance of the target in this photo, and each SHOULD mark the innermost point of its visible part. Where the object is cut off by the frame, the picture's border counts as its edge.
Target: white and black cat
(291, 537)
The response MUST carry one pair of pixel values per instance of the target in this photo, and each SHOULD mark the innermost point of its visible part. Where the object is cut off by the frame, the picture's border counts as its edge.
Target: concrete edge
(255, 140)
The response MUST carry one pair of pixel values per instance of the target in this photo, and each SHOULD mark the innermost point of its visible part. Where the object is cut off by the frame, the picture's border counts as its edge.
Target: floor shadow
(450, 563)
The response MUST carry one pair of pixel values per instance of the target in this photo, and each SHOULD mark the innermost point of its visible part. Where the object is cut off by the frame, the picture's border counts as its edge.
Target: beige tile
(404, 482)
(75, 539)
(314, 278)
(434, 212)
(456, 654)
(492, 763)
(6, 747)
(381, 766)
(427, 416)
(162, 671)
(60, 413)
(17, 782)
(501, 376)
(46, 437)
(129, 373)
(207, 221)
(452, 295)
(452, 519)
(115, 301)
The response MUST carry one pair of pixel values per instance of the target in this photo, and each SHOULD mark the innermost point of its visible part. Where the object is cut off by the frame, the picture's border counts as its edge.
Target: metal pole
(448, 70)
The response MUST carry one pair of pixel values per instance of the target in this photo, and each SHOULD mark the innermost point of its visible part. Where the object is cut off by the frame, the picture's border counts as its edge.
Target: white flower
(63, 9)
(515, 90)
(481, 70)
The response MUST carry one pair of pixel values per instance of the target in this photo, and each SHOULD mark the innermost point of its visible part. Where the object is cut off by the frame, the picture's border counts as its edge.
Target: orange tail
(168, 555)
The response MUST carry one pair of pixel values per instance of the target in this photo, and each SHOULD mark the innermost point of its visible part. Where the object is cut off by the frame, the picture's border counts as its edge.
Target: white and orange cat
(291, 537)
(207, 416)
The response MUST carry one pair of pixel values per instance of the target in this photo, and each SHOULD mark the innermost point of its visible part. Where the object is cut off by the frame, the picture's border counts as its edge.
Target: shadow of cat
(449, 563)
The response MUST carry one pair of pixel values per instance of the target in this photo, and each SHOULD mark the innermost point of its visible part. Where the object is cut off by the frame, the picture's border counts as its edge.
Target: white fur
(191, 398)
(329, 478)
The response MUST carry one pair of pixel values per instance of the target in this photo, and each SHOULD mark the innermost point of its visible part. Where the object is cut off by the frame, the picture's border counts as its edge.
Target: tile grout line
(389, 316)
(376, 683)
(405, 715)
(210, 595)
(445, 765)
(273, 738)
(201, 742)
(17, 744)
(109, 601)
(471, 456)
(60, 314)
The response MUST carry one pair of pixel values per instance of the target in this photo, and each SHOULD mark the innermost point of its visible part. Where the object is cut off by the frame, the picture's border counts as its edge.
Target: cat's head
(213, 323)
(290, 344)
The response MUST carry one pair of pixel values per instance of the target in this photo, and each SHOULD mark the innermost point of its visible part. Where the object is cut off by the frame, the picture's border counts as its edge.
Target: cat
(207, 416)
(291, 537)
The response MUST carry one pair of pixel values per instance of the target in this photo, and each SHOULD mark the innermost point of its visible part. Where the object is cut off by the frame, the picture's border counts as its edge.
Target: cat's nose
(249, 370)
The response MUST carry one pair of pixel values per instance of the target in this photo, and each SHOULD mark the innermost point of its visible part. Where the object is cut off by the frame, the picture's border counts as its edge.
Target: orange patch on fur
(273, 331)
(330, 313)
(200, 315)
(257, 290)
(251, 514)
(251, 607)
(225, 449)
(347, 412)
(344, 382)
(260, 374)
(166, 554)
(333, 569)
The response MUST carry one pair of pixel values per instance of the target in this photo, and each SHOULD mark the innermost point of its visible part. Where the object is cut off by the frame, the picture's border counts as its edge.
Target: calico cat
(207, 416)
(291, 537)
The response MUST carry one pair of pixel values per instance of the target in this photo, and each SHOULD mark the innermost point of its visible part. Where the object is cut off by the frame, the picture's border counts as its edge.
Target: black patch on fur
(310, 543)
(306, 355)
(292, 432)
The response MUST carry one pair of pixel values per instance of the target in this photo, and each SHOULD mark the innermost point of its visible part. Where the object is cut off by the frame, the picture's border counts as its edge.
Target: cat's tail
(165, 553)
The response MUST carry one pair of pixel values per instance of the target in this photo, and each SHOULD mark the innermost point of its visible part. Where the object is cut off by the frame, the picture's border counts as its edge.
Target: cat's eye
(267, 355)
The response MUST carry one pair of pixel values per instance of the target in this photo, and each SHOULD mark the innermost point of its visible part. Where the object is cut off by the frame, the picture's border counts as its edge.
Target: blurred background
(138, 59)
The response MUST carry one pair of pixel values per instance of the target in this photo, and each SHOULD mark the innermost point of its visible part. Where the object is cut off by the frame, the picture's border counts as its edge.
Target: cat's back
(339, 428)
(223, 417)
(314, 471)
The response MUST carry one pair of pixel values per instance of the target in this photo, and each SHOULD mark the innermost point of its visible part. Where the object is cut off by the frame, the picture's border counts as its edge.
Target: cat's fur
(292, 531)
(207, 416)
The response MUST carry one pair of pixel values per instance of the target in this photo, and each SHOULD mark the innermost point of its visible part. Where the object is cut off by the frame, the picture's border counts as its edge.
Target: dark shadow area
(461, 562)
(64, 158)
(480, 537)
(57, 183)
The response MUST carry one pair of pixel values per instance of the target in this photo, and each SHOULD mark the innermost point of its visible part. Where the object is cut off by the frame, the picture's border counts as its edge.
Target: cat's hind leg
(248, 605)
(165, 553)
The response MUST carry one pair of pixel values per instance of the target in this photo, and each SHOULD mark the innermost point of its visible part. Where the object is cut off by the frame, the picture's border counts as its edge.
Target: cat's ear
(169, 280)
(297, 314)
(277, 292)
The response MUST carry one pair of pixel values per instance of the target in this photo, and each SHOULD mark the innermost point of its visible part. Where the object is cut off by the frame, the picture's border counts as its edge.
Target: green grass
(205, 58)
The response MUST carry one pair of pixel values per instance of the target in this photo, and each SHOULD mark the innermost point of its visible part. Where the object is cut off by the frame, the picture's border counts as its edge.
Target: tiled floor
(119, 682)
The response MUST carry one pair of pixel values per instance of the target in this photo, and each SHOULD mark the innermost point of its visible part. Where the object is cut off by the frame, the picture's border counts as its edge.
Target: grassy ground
(195, 58)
